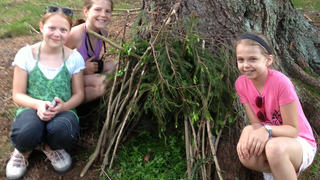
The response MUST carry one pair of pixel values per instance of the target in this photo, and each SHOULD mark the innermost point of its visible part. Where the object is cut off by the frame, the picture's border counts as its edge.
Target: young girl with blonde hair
(44, 72)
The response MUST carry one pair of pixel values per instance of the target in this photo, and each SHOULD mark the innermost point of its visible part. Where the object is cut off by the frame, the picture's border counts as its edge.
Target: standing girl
(44, 72)
(279, 141)
(98, 15)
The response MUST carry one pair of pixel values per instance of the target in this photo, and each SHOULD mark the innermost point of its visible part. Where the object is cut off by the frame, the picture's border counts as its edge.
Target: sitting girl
(279, 141)
(44, 72)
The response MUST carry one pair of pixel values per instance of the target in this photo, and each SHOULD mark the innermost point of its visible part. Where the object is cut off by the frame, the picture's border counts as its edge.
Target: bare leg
(94, 86)
(109, 67)
(257, 163)
(284, 156)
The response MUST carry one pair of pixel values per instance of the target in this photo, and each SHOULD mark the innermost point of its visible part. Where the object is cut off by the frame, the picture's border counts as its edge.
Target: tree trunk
(296, 44)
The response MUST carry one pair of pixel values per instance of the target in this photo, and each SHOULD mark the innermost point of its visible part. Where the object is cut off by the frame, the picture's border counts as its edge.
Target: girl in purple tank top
(98, 15)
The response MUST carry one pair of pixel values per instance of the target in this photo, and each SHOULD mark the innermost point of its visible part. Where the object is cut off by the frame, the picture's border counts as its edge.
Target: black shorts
(100, 65)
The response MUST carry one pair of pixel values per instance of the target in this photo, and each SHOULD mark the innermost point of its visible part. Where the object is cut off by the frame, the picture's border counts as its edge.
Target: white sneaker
(268, 176)
(60, 160)
(17, 165)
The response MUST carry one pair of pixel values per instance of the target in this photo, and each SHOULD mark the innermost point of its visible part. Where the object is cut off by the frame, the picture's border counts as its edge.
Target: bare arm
(77, 91)
(290, 127)
(248, 140)
(258, 137)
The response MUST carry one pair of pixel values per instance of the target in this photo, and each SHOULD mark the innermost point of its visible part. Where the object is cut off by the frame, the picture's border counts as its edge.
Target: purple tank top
(85, 52)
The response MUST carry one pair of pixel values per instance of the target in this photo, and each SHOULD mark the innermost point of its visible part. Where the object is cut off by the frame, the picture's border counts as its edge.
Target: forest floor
(39, 168)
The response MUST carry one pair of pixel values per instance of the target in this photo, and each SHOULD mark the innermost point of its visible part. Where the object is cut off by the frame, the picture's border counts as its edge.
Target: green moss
(311, 73)
(313, 90)
(307, 4)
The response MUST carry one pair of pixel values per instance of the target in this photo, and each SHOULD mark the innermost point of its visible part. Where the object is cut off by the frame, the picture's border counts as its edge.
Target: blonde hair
(251, 42)
(48, 15)
(88, 4)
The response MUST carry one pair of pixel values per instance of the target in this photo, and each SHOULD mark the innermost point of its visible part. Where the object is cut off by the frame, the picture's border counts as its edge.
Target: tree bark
(296, 44)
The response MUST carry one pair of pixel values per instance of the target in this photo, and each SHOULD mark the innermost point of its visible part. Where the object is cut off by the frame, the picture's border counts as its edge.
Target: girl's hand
(91, 67)
(59, 107)
(42, 112)
(257, 141)
(242, 150)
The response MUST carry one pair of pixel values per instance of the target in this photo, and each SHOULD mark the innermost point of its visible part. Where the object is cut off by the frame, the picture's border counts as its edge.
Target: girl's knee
(274, 151)
(63, 131)
(249, 163)
(28, 136)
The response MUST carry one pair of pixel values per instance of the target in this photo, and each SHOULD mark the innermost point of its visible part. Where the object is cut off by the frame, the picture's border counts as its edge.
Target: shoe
(85, 123)
(60, 160)
(17, 165)
(268, 176)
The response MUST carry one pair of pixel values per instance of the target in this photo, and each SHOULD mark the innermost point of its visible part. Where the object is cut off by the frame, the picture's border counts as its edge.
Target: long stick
(187, 141)
(94, 155)
(115, 110)
(203, 130)
(220, 131)
(196, 144)
(110, 42)
(126, 118)
(213, 151)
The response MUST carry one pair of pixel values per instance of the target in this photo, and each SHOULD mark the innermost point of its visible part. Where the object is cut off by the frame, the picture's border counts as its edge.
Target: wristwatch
(269, 129)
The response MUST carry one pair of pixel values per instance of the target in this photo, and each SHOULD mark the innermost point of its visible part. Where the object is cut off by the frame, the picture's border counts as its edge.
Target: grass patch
(14, 14)
(167, 161)
(313, 171)
(307, 4)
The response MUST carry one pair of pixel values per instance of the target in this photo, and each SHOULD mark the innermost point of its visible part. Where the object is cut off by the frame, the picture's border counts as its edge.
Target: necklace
(88, 40)
(40, 49)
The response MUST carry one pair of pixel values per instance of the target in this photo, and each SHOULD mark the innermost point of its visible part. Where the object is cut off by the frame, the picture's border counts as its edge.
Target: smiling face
(55, 30)
(252, 62)
(98, 15)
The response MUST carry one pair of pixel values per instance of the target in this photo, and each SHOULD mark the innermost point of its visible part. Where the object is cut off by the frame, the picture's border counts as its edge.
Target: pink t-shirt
(277, 91)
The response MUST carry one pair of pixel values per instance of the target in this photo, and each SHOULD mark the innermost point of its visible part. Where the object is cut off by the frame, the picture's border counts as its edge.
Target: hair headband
(256, 38)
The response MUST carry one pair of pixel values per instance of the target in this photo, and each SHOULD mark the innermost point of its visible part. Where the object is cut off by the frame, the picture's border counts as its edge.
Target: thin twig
(220, 131)
(110, 42)
(129, 112)
(196, 144)
(114, 82)
(187, 141)
(94, 155)
(120, 14)
(128, 10)
(203, 147)
(213, 151)
(103, 145)
(32, 28)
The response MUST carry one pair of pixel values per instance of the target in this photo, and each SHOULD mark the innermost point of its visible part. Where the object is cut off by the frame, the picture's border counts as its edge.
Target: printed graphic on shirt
(276, 118)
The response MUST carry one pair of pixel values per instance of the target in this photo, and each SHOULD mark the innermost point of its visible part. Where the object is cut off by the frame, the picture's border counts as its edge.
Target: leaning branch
(213, 151)
(110, 42)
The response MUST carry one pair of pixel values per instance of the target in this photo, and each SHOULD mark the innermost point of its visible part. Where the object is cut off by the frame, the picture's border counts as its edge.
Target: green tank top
(40, 87)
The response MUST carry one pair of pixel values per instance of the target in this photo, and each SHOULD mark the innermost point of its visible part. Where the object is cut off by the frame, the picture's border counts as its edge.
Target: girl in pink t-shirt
(279, 141)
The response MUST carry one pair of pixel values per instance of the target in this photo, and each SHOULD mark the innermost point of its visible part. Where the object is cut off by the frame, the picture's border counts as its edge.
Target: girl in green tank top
(44, 72)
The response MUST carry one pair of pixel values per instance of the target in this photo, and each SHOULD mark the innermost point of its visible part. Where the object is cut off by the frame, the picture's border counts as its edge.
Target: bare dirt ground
(38, 168)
